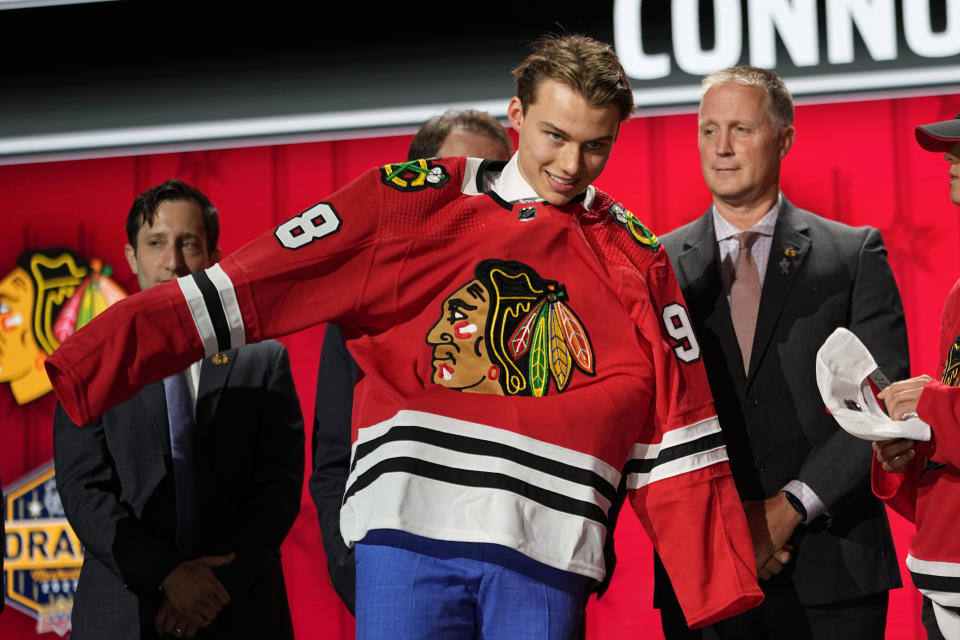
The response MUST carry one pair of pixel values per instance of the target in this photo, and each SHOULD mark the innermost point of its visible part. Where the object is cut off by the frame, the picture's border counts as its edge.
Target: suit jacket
(821, 275)
(116, 483)
(332, 438)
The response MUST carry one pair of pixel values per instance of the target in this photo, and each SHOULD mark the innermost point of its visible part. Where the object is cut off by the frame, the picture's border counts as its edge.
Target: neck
(743, 215)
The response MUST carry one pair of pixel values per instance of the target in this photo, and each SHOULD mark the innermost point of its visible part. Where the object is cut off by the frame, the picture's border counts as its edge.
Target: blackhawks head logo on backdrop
(49, 294)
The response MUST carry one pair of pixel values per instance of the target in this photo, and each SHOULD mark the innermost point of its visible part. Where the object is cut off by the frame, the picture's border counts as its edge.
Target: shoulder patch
(638, 231)
(414, 175)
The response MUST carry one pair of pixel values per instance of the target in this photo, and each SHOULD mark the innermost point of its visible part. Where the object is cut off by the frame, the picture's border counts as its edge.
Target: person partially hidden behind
(767, 283)
(471, 133)
(919, 479)
(182, 495)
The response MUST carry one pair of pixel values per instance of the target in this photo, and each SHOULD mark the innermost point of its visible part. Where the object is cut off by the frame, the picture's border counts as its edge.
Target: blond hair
(779, 100)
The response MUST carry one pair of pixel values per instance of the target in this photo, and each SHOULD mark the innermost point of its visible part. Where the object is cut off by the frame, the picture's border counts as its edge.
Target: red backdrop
(856, 162)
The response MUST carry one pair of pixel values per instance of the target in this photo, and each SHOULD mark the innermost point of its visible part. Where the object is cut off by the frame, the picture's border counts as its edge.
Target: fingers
(894, 455)
(164, 622)
(901, 397)
(217, 561)
(775, 564)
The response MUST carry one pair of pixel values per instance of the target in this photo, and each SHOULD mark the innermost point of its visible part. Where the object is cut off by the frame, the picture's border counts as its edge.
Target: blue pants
(410, 588)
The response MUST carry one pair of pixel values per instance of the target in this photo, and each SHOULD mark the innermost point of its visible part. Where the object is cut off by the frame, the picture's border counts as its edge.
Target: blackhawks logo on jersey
(951, 376)
(638, 231)
(951, 369)
(414, 175)
(508, 332)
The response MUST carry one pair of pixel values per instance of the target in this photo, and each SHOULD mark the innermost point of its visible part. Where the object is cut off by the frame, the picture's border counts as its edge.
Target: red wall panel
(856, 162)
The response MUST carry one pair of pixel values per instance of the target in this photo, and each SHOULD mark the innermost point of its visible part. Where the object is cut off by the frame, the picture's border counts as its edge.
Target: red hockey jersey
(518, 357)
(927, 492)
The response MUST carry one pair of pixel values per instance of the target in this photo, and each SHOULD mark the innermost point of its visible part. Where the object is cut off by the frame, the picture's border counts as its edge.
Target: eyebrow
(550, 125)
(457, 303)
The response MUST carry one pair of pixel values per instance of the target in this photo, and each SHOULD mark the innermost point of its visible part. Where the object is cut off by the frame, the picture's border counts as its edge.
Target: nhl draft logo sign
(414, 175)
(48, 295)
(42, 554)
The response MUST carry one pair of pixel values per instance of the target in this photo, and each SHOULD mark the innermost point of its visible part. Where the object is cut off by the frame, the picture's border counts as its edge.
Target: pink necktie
(745, 295)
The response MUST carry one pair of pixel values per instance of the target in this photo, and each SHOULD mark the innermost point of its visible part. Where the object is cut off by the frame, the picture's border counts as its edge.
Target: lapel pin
(219, 358)
(789, 254)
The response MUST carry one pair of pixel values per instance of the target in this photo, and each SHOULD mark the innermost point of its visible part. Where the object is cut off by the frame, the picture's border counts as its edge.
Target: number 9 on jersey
(676, 321)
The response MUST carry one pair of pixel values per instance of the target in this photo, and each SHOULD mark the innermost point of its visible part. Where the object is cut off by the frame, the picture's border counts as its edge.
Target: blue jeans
(409, 587)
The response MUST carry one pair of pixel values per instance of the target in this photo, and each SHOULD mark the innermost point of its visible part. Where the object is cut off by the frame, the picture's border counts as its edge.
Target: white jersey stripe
(201, 317)
(677, 467)
(416, 504)
(492, 464)
(492, 434)
(228, 299)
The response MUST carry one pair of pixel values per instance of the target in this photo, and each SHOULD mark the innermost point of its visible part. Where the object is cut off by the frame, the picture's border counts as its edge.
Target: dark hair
(434, 131)
(144, 210)
(588, 66)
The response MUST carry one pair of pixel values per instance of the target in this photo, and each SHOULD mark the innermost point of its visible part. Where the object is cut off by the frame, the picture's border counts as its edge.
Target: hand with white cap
(901, 398)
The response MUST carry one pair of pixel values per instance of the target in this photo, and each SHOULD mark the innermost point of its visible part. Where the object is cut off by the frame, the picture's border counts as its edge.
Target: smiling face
(461, 359)
(174, 245)
(564, 143)
(740, 148)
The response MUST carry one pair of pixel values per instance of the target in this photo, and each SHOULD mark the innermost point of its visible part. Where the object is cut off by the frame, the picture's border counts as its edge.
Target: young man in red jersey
(918, 479)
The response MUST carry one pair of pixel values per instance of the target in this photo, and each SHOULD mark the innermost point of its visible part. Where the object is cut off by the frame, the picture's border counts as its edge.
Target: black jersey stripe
(930, 582)
(479, 446)
(218, 318)
(677, 451)
(478, 479)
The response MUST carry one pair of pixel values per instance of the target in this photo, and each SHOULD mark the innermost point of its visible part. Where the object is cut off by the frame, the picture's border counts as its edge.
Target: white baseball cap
(844, 370)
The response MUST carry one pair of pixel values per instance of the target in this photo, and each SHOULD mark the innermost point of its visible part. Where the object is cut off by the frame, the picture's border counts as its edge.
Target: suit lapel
(790, 247)
(699, 264)
(214, 373)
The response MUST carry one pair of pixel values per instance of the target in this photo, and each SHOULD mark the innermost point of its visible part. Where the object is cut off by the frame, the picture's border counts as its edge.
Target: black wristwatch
(797, 505)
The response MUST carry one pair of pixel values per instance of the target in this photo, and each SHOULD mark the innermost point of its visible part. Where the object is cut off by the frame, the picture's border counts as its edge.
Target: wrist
(796, 506)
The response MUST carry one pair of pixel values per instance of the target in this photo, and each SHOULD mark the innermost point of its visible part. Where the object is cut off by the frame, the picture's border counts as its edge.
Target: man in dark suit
(470, 133)
(766, 283)
(182, 495)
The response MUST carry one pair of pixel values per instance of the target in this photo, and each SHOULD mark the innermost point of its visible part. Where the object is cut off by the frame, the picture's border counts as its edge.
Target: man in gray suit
(182, 495)
(766, 283)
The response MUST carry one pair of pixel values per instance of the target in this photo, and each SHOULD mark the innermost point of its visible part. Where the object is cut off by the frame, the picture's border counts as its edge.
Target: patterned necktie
(180, 413)
(745, 295)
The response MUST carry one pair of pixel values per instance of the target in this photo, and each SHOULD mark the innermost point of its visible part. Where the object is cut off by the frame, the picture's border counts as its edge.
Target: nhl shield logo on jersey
(414, 175)
(638, 231)
(508, 332)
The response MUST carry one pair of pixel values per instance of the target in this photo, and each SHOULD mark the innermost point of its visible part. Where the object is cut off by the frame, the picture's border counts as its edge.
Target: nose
(174, 261)
(722, 146)
(570, 160)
